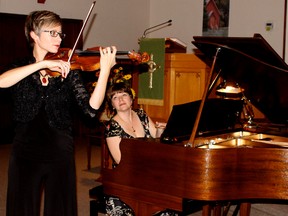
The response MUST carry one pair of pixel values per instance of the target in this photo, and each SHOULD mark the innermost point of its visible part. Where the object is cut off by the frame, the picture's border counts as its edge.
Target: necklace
(44, 78)
(128, 123)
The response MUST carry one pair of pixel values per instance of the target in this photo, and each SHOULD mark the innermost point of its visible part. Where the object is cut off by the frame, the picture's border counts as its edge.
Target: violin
(89, 60)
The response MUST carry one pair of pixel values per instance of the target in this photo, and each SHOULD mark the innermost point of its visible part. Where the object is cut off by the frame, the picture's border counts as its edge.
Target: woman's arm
(152, 128)
(107, 61)
(11, 77)
(156, 129)
(160, 126)
(113, 144)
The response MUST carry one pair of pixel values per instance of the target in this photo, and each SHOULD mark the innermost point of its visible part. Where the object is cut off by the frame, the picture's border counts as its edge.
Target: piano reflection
(210, 168)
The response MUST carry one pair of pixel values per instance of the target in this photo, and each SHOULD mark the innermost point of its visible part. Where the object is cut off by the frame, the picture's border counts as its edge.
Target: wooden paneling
(184, 81)
(13, 42)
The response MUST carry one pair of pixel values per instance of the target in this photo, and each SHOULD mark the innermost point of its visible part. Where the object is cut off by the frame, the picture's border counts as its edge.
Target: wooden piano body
(241, 166)
(154, 176)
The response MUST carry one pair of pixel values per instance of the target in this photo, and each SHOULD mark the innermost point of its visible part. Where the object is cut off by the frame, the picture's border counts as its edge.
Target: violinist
(42, 157)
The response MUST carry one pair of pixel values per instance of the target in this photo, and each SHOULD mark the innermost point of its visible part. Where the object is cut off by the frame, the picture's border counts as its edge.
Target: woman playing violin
(42, 157)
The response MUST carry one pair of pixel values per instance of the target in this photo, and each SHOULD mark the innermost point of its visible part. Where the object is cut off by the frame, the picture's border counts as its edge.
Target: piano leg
(206, 210)
(245, 209)
(217, 210)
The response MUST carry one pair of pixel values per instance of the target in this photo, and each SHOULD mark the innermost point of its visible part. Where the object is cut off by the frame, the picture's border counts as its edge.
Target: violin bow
(81, 31)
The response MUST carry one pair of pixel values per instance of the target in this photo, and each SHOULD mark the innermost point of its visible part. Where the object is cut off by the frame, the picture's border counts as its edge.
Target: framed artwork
(215, 17)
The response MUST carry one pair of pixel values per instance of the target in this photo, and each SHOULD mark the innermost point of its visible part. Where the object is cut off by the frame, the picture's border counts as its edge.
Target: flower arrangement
(119, 75)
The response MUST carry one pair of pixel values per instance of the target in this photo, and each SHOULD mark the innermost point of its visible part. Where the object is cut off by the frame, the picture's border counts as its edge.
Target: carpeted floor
(86, 179)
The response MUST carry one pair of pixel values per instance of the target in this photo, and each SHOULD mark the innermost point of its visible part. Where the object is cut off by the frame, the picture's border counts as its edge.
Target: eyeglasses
(54, 33)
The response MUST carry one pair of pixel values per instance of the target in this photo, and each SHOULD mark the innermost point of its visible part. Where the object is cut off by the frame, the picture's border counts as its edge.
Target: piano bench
(189, 207)
(168, 212)
(97, 202)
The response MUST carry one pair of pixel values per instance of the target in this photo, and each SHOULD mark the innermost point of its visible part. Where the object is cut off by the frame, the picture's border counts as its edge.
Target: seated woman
(126, 122)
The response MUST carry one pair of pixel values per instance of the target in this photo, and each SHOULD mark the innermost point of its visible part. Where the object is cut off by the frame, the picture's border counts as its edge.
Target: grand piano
(239, 165)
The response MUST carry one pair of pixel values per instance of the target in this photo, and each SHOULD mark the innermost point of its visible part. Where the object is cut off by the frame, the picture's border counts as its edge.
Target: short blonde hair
(37, 19)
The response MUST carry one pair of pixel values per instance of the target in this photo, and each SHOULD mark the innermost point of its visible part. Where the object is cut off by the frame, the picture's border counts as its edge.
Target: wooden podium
(180, 77)
(173, 45)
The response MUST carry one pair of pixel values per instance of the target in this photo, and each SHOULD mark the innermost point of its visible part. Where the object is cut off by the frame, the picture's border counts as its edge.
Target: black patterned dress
(114, 129)
(115, 206)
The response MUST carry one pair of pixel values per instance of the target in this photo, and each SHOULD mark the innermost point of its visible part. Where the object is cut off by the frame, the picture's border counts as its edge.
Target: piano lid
(256, 67)
(255, 46)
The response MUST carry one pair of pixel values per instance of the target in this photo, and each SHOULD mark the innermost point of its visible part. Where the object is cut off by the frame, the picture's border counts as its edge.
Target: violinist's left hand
(107, 60)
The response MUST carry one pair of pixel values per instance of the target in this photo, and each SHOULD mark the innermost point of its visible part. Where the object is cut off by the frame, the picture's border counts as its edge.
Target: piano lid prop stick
(195, 127)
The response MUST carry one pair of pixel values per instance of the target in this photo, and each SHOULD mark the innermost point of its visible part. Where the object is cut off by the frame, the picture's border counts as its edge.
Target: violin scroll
(139, 58)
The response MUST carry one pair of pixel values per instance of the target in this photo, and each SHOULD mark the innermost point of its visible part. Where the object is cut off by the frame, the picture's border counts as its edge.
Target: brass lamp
(233, 90)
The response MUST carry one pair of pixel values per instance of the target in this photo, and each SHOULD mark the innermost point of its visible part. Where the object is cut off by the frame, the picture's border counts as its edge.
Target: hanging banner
(151, 84)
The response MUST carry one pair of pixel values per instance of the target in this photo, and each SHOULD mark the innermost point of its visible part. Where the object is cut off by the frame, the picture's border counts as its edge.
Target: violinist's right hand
(59, 66)
(14, 75)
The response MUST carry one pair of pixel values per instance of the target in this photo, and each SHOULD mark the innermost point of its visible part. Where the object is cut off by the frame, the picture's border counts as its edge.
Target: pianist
(126, 122)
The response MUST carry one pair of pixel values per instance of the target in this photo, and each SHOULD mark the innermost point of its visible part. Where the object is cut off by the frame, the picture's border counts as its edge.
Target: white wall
(186, 15)
(122, 22)
(250, 16)
(246, 18)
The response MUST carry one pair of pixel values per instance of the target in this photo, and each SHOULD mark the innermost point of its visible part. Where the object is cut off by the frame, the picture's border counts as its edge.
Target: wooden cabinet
(184, 81)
